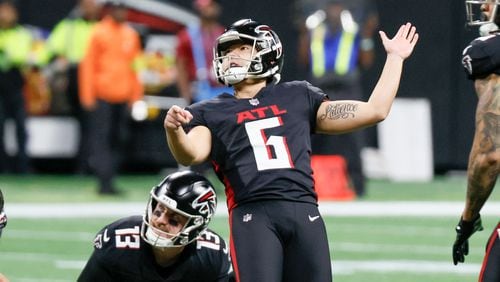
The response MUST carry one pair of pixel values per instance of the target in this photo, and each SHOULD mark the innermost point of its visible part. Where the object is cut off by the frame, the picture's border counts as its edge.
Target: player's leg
(490, 271)
(307, 255)
(256, 250)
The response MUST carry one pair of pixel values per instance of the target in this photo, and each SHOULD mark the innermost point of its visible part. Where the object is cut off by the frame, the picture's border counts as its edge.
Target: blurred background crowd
(85, 83)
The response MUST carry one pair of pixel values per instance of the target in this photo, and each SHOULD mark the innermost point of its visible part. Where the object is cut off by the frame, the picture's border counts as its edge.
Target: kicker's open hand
(403, 43)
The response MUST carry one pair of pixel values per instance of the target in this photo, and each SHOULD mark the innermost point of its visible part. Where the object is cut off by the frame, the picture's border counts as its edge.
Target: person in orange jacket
(109, 85)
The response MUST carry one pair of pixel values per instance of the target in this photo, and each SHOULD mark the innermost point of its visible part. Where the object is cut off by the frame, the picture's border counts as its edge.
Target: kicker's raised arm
(345, 115)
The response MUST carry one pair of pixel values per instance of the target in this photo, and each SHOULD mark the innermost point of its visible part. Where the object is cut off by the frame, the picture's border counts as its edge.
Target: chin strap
(156, 240)
(235, 75)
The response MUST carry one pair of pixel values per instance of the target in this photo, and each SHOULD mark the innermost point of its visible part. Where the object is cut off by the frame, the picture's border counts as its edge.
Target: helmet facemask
(264, 62)
(234, 69)
(163, 239)
(476, 17)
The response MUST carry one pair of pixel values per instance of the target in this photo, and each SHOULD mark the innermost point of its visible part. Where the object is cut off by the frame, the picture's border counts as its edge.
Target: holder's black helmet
(187, 193)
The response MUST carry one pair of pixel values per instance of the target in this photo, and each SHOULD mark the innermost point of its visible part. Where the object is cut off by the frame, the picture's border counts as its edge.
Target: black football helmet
(476, 17)
(3, 216)
(267, 55)
(187, 193)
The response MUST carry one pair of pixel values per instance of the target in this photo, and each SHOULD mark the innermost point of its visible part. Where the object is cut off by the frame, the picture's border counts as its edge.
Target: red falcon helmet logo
(205, 203)
(262, 28)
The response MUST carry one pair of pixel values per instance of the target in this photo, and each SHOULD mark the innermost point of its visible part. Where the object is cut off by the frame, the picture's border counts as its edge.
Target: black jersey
(261, 146)
(482, 57)
(120, 254)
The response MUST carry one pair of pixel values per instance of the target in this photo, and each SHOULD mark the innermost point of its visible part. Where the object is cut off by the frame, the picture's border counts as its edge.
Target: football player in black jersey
(170, 242)
(481, 60)
(258, 139)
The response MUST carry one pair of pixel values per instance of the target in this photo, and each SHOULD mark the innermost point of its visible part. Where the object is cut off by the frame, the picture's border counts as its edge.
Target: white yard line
(402, 208)
(345, 267)
(340, 267)
(375, 209)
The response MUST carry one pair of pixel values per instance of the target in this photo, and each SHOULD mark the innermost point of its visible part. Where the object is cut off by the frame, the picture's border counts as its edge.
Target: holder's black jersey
(482, 57)
(120, 254)
(261, 146)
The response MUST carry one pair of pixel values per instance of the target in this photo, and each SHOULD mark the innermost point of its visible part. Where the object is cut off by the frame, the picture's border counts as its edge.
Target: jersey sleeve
(482, 57)
(198, 118)
(214, 254)
(108, 259)
(316, 96)
(226, 273)
(95, 269)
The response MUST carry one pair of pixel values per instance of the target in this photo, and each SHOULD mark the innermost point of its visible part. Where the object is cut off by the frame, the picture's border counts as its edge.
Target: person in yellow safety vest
(19, 51)
(68, 43)
(336, 43)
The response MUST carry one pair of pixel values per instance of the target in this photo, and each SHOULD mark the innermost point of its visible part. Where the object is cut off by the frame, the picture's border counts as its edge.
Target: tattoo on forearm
(480, 186)
(339, 111)
(489, 131)
(487, 116)
(483, 168)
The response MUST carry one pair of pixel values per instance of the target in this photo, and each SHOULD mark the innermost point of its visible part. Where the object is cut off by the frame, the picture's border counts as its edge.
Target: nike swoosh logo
(313, 218)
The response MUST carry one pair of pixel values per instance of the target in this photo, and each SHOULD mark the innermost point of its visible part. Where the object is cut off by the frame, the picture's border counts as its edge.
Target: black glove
(464, 230)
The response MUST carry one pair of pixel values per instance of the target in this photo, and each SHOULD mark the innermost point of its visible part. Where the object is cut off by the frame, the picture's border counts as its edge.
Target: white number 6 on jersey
(262, 146)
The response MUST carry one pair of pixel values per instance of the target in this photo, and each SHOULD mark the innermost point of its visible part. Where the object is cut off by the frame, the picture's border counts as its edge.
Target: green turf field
(363, 248)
